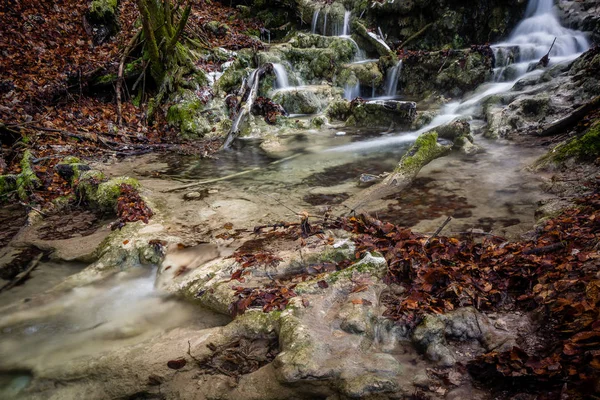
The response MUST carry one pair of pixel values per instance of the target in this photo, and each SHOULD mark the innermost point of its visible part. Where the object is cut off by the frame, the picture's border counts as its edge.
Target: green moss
(26, 180)
(105, 12)
(339, 110)
(185, 113)
(105, 79)
(8, 183)
(108, 192)
(425, 149)
(582, 148)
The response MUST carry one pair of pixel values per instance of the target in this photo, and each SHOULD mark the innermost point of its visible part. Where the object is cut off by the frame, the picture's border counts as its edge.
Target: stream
(312, 170)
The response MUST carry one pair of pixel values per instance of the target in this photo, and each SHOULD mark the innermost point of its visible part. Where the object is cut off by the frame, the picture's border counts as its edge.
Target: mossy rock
(367, 74)
(425, 149)
(27, 179)
(108, 192)
(106, 14)
(339, 110)
(383, 113)
(186, 114)
(584, 148)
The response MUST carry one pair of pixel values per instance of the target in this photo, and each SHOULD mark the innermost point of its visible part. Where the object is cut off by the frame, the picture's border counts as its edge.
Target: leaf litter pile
(554, 276)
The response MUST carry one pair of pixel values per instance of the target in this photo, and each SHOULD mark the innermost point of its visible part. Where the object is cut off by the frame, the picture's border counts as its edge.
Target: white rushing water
(282, 81)
(527, 44)
(346, 28)
(315, 20)
(351, 91)
(391, 79)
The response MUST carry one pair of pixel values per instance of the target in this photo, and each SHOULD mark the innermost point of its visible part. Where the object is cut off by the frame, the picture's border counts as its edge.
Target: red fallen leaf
(322, 284)
(125, 241)
(359, 288)
(305, 303)
(237, 275)
(177, 364)
(181, 270)
(228, 226)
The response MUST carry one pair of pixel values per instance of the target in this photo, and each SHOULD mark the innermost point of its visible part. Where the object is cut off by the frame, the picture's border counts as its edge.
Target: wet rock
(311, 100)
(446, 25)
(70, 170)
(451, 72)
(463, 325)
(104, 17)
(376, 113)
(194, 196)
(189, 113)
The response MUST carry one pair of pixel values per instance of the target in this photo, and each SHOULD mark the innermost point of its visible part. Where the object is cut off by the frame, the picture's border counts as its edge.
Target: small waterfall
(529, 42)
(315, 20)
(324, 33)
(346, 28)
(282, 77)
(351, 91)
(532, 39)
(391, 81)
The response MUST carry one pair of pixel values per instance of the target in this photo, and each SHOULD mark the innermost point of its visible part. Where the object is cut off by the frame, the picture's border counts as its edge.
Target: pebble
(192, 196)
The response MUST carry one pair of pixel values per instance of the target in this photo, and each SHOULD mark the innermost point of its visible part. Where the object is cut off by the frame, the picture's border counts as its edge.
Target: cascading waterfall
(528, 43)
(391, 81)
(346, 28)
(324, 33)
(281, 75)
(315, 20)
(533, 38)
(351, 91)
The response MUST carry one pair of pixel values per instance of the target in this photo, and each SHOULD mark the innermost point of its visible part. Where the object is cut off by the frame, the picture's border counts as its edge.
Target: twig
(228, 176)
(437, 232)
(416, 35)
(126, 52)
(23, 275)
(33, 208)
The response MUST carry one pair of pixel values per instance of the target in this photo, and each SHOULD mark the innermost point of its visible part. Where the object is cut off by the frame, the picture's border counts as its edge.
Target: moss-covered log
(426, 149)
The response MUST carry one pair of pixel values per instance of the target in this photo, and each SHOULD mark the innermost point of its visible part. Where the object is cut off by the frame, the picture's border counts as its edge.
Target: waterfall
(529, 42)
(391, 81)
(324, 33)
(351, 91)
(346, 29)
(315, 19)
(533, 37)
(281, 74)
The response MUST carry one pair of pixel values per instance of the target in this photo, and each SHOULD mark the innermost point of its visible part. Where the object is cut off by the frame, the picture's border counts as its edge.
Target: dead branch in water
(544, 61)
(23, 275)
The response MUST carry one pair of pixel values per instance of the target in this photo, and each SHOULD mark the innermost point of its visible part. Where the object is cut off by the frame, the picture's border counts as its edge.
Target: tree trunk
(169, 59)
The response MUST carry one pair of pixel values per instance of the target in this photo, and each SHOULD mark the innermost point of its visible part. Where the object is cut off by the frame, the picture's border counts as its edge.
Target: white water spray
(282, 81)
(529, 42)
(315, 20)
(346, 28)
(391, 80)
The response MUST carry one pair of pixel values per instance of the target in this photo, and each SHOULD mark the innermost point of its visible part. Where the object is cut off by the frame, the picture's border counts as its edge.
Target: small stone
(340, 134)
(212, 191)
(192, 196)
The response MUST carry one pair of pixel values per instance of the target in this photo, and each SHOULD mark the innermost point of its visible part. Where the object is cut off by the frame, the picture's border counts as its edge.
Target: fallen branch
(119, 85)
(23, 275)
(249, 93)
(570, 120)
(437, 232)
(416, 35)
(228, 176)
(545, 249)
(544, 61)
